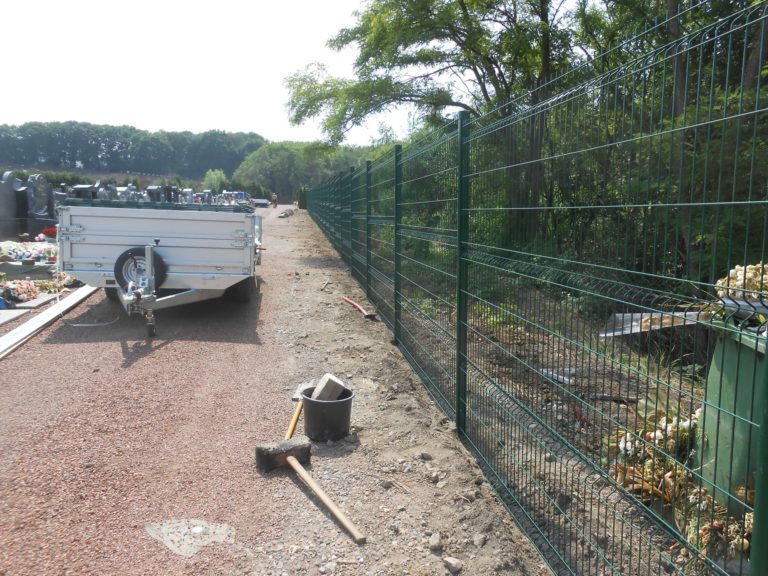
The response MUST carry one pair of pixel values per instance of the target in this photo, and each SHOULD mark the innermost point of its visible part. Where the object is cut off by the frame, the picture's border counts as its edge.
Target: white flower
(627, 445)
(685, 425)
(655, 436)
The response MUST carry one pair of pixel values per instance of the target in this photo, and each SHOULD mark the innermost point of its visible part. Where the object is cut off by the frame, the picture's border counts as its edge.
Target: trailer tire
(112, 295)
(127, 263)
(245, 290)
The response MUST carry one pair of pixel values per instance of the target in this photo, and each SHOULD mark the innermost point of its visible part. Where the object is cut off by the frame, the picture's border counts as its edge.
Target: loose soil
(107, 438)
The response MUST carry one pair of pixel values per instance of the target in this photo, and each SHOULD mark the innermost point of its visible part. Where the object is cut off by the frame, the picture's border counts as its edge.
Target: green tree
(103, 148)
(155, 152)
(278, 168)
(436, 55)
(215, 180)
(283, 167)
(220, 150)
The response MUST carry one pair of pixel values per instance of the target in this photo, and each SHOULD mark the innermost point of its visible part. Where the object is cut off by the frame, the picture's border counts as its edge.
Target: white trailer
(152, 256)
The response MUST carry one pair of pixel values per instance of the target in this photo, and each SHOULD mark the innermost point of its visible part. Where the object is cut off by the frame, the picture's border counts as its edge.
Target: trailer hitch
(139, 296)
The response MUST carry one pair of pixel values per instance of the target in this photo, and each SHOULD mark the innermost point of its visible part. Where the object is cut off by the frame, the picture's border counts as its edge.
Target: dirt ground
(121, 455)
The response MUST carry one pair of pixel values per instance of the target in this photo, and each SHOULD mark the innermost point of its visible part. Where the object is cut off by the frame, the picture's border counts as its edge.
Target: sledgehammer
(294, 453)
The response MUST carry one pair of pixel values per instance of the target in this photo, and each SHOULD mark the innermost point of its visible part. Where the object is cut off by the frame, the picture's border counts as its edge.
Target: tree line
(73, 152)
(286, 167)
(80, 146)
(489, 56)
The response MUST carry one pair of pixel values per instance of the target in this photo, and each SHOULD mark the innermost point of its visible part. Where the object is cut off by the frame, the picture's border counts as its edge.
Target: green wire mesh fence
(427, 260)
(578, 279)
(358, 211)
(381, 237)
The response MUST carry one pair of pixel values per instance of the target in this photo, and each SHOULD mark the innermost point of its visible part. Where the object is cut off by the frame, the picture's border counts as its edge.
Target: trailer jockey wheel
(151, 328)
(130, 267)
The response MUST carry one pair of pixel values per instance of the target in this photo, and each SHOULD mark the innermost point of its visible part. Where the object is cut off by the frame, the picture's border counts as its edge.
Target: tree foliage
(100, 148)
(440, 56)
(436, 55)
(284, 167)
(178, 158)
(215, 181)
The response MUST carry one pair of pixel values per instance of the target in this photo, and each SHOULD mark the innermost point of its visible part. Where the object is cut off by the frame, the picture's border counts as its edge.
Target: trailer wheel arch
(137, 254)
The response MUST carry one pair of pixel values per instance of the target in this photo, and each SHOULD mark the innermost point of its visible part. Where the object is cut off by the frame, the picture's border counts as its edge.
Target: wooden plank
(18, 336)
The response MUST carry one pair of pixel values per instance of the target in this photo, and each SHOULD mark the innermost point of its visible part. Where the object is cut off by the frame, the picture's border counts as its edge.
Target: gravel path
(110, 442)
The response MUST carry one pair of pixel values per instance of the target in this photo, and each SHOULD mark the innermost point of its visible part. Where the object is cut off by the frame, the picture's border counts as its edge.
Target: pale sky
(169, 65)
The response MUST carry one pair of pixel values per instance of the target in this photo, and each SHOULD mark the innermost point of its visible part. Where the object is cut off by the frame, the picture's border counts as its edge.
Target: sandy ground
(122, 455)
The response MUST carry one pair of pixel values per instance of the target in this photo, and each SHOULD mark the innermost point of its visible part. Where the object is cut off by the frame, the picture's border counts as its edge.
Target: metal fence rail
(580, 284)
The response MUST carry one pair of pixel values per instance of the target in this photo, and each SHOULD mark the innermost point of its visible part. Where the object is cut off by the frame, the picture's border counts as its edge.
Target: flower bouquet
(37, 251)
(19, 290)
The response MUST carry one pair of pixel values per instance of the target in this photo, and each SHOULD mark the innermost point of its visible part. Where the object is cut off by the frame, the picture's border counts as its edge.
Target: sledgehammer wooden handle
(357, 536)
(294, 420)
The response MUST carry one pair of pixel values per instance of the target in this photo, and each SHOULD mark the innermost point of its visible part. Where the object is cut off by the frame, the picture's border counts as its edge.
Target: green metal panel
(555, 272)
(346, 217)
(381, 226)
(398, 239)
(759, 556)
(462, 207)
(428, 271)
(358, 224)
(368, 182)
(734, 394)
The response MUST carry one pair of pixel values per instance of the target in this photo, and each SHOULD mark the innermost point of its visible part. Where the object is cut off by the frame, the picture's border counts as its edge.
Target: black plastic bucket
(327, 419)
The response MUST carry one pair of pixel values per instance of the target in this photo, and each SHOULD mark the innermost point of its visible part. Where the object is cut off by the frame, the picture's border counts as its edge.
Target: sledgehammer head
(273, 455)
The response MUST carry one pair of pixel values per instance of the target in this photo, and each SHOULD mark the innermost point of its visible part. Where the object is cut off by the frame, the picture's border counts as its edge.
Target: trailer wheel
(112, 294)
(245, 290)
(129, 267)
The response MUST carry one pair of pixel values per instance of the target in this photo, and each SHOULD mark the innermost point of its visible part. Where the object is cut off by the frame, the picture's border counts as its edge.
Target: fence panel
(581, 284)
(428, 261)
(345, 216)
(381, 225)
(358, 231)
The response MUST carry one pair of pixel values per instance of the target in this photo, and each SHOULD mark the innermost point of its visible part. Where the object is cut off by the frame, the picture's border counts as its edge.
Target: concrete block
(329, 388)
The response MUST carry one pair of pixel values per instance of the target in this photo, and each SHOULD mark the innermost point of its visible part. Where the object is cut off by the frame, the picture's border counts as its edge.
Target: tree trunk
(757, 55)
(524, 225)
(685, 264)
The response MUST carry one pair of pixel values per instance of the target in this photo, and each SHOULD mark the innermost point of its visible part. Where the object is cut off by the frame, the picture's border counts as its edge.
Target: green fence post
(340, 214)
(398, 195)
(368, 229)
(758, 556)
(332, 212)
(337, 190)
(462, 222)
(348, 230)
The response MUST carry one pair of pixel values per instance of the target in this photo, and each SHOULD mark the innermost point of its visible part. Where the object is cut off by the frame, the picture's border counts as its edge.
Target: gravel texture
(110, 442)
